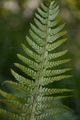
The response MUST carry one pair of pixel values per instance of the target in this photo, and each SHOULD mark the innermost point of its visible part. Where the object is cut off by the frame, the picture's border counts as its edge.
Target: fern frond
(56, 55)
(42, 65)
(9, 115)
(48, 80)
(22, 80)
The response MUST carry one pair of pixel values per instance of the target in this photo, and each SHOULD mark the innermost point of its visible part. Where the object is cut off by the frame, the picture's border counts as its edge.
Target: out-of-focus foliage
(70, 10)
(14, 17)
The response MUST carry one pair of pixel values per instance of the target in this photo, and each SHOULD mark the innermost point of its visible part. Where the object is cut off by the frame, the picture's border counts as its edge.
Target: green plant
(33, 99)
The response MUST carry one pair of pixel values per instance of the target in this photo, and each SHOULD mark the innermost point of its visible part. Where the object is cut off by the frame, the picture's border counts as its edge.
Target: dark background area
(15, 16)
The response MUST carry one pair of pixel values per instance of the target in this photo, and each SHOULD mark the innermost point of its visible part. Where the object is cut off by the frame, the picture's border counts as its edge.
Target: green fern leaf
(32, 100)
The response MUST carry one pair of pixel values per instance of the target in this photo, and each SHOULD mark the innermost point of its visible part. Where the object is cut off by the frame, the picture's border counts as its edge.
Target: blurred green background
(15, 16)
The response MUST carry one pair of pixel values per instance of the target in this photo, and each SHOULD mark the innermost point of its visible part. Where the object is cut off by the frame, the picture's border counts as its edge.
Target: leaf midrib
(40, 74)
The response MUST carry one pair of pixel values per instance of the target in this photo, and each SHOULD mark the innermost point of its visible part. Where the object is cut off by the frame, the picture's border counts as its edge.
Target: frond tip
(42, 65)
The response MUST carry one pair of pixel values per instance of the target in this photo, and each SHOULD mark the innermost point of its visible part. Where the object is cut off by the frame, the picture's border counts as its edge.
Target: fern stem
(42, 66)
